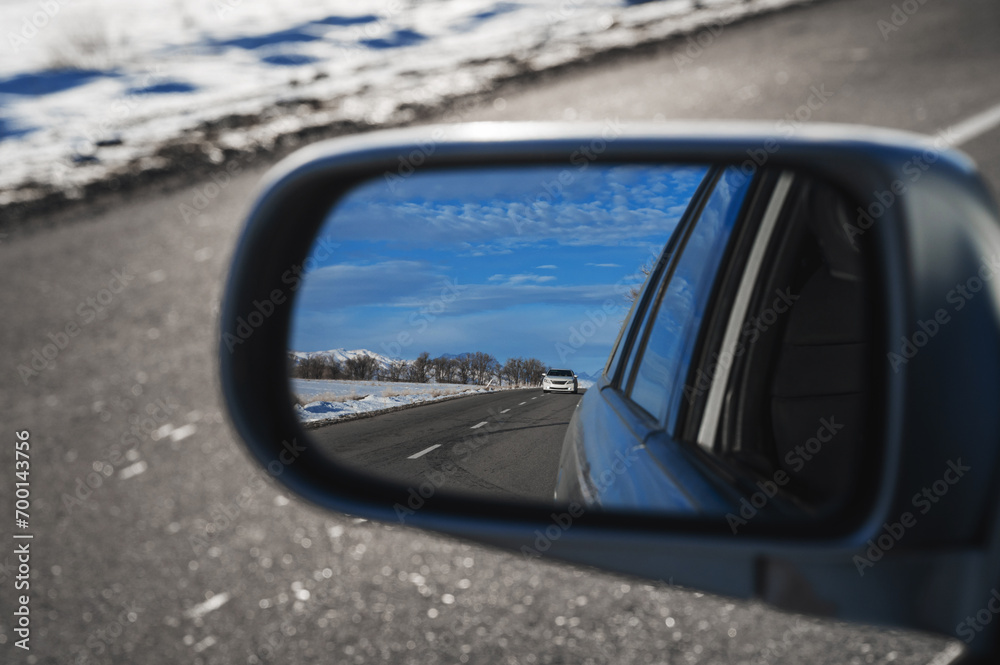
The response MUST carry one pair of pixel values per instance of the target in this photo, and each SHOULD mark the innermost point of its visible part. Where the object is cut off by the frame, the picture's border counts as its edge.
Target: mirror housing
(932, 225)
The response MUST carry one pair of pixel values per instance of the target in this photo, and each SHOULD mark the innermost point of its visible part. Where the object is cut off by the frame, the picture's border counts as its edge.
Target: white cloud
(608, 206)
(521, 279)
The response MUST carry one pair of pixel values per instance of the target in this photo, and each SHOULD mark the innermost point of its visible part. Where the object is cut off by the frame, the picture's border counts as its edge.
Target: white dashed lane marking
(210, 605)
(479, 425)
(973, 127)
(424, 451)
(184, 432)
(505, 411)
(522, 403)
(133, 470)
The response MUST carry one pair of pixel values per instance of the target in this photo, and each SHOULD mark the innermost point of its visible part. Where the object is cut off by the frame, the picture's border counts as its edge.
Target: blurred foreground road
(181, 552)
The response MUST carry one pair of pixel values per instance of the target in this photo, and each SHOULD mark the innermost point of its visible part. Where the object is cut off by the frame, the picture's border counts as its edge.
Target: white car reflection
(560, 381)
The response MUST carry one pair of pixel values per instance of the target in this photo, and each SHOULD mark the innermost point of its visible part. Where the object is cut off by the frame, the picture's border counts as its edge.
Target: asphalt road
(503, 445)
(156, 540)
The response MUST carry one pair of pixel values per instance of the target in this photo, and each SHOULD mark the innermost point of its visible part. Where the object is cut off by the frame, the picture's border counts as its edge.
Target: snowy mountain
(585, 380)
(455, 356)
(340, 355)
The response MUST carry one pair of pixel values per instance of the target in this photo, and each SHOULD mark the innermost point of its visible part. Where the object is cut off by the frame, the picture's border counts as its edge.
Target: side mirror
(790, 351)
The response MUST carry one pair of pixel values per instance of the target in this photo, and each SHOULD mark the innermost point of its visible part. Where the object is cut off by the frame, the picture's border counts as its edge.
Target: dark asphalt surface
(179, 551)
(503, 445)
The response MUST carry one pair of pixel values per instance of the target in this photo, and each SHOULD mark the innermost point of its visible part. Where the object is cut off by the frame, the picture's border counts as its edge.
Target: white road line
(479, 425)
(182, 433)
(522, 403)
(505, 411)
(133, 470)
(205, 643)
(534, 398)
(424, 451)
(974, 126)
(210, 605)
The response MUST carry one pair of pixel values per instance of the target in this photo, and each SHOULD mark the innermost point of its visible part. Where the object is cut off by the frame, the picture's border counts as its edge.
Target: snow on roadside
(330, 400)
(96, 92)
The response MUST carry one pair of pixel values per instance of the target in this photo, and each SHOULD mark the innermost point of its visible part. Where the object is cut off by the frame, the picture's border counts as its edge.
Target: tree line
(477, 368)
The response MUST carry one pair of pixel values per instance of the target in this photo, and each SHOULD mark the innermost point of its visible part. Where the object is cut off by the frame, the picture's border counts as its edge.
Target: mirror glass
(451, 329)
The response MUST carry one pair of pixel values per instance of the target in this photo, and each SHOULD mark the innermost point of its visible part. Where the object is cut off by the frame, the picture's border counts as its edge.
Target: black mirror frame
(296, 197)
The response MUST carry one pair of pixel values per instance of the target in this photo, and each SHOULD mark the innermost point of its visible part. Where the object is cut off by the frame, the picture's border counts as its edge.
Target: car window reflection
(679, 313)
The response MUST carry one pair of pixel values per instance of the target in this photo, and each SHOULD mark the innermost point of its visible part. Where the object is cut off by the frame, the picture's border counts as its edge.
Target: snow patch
(356, 397)
(90, 94)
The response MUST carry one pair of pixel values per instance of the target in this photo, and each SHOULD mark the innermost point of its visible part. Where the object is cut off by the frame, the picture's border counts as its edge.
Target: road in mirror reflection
(433, 304)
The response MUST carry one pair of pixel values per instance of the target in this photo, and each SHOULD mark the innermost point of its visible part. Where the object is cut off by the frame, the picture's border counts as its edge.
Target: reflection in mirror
(452, 326)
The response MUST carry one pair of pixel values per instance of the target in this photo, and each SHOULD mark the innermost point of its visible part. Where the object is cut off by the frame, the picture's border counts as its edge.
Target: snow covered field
(94, 90)
(329, 400)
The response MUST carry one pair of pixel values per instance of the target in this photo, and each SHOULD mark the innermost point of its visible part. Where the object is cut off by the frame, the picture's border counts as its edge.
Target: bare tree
(418, 371)
(363, 367)
(315, 367)
(464, 368)
(444, 369)
(482, 366)
(492, 370)
(330, 369)
(534, 370)
(511, 371)
(452, 370)
(396, 370)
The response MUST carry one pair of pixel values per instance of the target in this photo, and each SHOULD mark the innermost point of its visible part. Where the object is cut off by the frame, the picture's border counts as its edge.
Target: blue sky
(514, 261)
